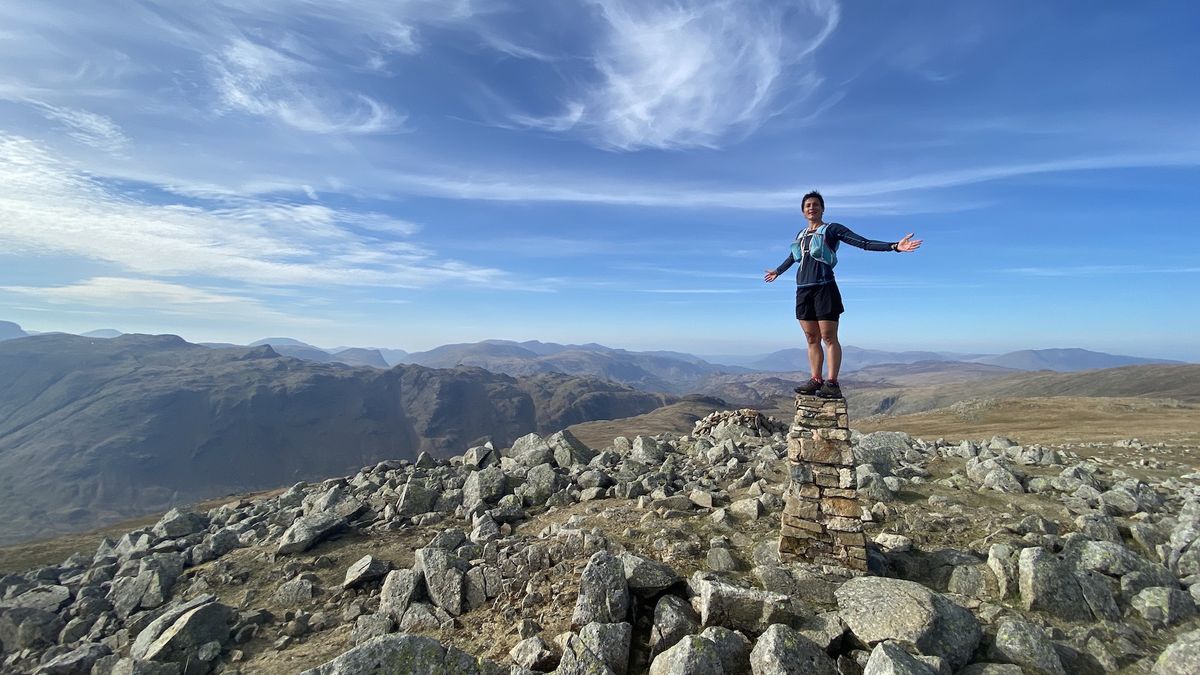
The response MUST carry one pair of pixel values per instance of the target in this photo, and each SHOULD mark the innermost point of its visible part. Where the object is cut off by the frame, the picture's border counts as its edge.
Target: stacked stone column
(822, 522)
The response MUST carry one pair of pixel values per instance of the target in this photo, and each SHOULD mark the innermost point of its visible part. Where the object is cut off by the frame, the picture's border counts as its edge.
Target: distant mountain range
(665, 371)
(95, 430)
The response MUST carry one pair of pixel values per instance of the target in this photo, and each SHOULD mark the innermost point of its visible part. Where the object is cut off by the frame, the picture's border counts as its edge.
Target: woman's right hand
(770, 276)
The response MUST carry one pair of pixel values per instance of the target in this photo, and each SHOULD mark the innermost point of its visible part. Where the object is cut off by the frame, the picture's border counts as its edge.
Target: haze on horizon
(409, 174)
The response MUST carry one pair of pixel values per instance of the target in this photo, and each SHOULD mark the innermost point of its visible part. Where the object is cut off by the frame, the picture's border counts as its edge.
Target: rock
(647, 451)
(1020, 642)
(444, 574)
(49, 598)
(732, 647)
(541, 482)
(481, 457)
(78, 660)
(404, 653)
(415, 499)
(889, 659)
(1181, 658)
(745, 609)
(399, 589)
(1047, 584)
(27, 627)
(880, 450)
(611, 642)
(1099, 527)
(1161, 606)
(1002, 480)
(722, 560)
(646, 577)
(367, 568)
(782, 651)
(568, 450)
(577, 659)
(295, 593)
(178, 523)
(673, 619)
(893, 543)
(307, 531)
(877, 609)
(370, 626)
(992, 669)
(749, 508)
(531, 450)
(486, 486)
(693, 655)
(180, 632)
(603, 594)
(533, 653)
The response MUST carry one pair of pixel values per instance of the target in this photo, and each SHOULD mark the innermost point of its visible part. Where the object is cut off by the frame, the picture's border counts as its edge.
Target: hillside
(93, 430)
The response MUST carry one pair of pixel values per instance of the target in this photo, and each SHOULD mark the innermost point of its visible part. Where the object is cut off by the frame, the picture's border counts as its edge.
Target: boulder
(180, 633)
(877, 609)
(673, 619)
(399, 589)
(1047, 584)
(732, 647)
(645, 577)
(78, 660)
(646, 450)
(444, 574)
(782, 651)
(1161, 606)
(568, 450)
(22, 627)
(307, 531)
(603, 594)
(577, 659)
(366, 569)
(889, 659)
(533, 653)
(405, 653)
(178, 523)
(738, 608)
(370, 626)
(485, 486)
(1181, 658)
(1020, 642)
(415, 499)
(693, 655)
(611, 642)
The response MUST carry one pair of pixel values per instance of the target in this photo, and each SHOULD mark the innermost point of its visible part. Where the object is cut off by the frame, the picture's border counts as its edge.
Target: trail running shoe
(829, 390)
(809, 388)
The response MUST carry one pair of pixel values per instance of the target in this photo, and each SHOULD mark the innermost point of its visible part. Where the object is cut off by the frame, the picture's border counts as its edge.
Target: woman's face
(812, 208)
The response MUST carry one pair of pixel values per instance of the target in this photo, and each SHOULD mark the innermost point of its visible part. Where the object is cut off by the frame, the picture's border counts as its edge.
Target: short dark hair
(813, 195)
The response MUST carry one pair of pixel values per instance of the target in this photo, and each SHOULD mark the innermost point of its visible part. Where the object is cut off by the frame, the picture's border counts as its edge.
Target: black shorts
(819, 303)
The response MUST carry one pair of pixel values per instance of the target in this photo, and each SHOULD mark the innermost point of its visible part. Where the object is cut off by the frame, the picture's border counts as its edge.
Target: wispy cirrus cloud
(89, 128)
(50, 208)
(691, 74)
(259, 80)
(157, 297)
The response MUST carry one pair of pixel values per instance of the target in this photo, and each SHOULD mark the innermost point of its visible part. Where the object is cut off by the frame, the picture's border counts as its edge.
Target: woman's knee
(830, 339)
(813, 337)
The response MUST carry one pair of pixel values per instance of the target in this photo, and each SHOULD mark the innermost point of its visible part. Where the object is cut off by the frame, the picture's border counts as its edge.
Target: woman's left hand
(908, 243)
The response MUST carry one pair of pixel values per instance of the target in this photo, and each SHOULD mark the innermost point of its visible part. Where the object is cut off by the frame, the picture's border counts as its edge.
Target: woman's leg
(812, 333)
(829, 335)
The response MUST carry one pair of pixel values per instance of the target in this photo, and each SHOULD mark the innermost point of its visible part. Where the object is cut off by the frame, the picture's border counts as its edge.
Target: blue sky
(411, 173)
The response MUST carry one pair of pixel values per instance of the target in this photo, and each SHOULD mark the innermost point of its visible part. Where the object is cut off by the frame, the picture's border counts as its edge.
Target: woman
(818, 301)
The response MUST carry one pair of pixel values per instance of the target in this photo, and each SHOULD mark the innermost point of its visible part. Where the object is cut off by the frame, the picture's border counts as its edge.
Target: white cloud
(148, 295)
(689, 74)
(50, 208)
(86, 127)
(259, 80)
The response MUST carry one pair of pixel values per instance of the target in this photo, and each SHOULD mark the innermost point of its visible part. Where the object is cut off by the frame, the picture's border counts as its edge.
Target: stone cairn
(822, 522)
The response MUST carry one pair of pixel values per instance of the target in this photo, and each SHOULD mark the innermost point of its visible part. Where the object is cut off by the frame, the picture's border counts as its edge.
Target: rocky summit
(649, 555)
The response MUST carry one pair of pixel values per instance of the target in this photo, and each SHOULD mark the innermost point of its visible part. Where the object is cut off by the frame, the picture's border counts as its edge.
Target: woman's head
(813, 203)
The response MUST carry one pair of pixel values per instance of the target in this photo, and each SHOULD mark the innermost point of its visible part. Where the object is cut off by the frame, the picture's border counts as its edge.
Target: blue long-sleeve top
(813, 272)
